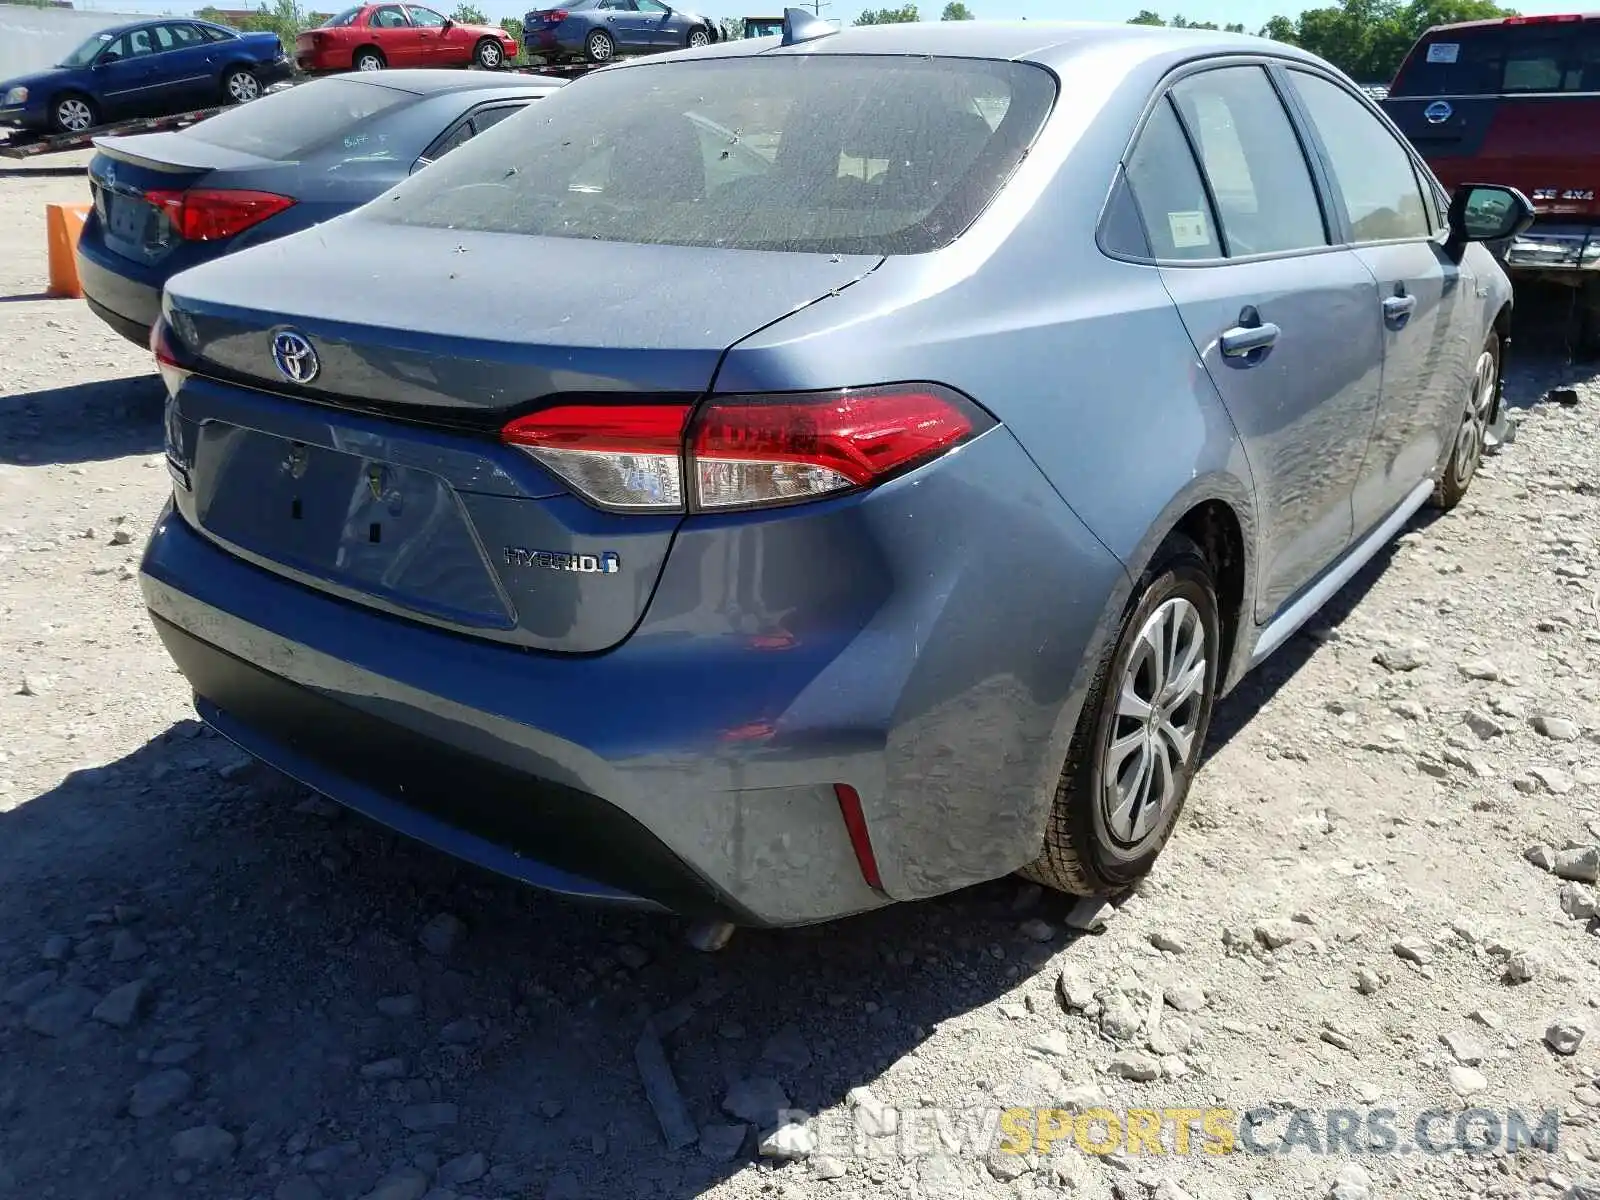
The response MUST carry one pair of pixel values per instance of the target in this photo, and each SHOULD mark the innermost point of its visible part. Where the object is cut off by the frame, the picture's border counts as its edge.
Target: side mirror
(1487, 212)
(106, 59)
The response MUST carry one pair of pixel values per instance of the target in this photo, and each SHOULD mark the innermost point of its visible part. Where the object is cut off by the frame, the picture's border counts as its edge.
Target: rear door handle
(1243, 340)
(1396, 308)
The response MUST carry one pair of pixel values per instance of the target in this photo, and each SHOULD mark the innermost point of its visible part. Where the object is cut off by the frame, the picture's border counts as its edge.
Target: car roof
(436, 81)
(1513, 22)
(1049, 43)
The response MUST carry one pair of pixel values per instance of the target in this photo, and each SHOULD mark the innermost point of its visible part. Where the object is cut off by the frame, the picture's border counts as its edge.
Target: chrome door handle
(1396, 307)
(1243, 340)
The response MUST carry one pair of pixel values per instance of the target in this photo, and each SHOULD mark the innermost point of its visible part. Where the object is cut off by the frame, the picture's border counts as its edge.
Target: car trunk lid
(381, 477)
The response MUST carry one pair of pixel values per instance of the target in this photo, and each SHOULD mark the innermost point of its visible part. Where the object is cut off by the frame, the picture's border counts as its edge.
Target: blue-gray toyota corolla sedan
(775, 480)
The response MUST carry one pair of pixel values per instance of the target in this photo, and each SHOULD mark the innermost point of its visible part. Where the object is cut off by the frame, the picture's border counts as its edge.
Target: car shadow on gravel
(86, 422)
(282, 940)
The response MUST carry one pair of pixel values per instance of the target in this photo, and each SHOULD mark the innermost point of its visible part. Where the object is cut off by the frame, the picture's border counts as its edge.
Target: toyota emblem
(294, 356)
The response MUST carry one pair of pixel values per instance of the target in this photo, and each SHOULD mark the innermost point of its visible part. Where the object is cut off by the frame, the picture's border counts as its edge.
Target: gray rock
(722, 1143)
(1277, 933)
(1480, 669)
(30, 989)
(789, 1142)
(384, 1068)
(1351, 1183)
(1522, 966)
(125, 947)
(1557, 729)
(565, 1186)
(873, 1116)
(1054, 1043)
(1080, 1097)
(1368, 981)
(419, 1118)
(57, 948)
(172, 1055)
(1119, 1020)
(1167, 1190)
(158, 1092)
(204, 1144)
(1578, 863)
(1402, 658)
(1169, 941)
(825, 1166)
(1578, 901)
(464, 1168)
(1565, 1035)
(788, 1049)
(1554, 779)
(1185, 997)
(408, 1183)
(756, 1101)
(329, 1158)
(1075, 992)
(1466, 1081)
(1414, 949)
(399, 1006)
(122, 1005)
(461, 1033)
(441, 934)
(1483, 726)
(1464, 1048)
(297, 1188)
(36, 685)
(1006, 1166)
(1541, 856)
(60, 1012)
(1036, 930)
(1135, 1065)
(1337, 1036)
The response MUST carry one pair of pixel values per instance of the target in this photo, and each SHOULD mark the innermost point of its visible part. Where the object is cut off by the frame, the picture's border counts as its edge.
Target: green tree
(957, 11)
(469, 14)
(1146, 17)
(514, 27)
(904, 15)
(285, 18)
(214, 15)
(730, 29)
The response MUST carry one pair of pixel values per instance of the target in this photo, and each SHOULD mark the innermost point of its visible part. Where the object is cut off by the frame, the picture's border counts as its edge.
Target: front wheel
(598, 47)
(488, 55)
(369, 59)
(1477, 415)
(240, 86)
(698, 38)
(72, 114)
(1140, 735)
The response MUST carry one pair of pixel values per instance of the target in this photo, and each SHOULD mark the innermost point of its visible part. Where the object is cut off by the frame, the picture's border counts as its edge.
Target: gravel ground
(215, 985)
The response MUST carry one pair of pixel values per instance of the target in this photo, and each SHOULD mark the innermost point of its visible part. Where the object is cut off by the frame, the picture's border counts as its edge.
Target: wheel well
(357, 52)
(1502, 326)
(1215, 529)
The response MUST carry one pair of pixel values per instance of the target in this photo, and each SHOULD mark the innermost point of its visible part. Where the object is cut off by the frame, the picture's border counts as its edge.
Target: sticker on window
(1444, 52)
(1188, 230)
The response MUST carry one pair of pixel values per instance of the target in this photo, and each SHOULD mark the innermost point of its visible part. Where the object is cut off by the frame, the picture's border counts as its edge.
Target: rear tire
(368, 58)
(240, 86)
(1126, 777)
(73, 113)
(598, 47)
(488, 55)
(1477, 415)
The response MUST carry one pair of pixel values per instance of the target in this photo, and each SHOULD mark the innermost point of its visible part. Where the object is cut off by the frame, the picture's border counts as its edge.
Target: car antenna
(801, 26)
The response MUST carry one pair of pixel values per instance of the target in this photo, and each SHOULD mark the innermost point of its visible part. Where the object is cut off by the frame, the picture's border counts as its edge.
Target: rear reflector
(746, 451)
(855, 823)
(211, 214)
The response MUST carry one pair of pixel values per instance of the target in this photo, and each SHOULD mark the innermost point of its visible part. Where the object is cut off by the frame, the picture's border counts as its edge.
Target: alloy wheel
(75, 115)
(489, 56)
(369, 62)
(243, 86)
(1160, 700)
(1475, 419)
(698, 38)
(600, 47)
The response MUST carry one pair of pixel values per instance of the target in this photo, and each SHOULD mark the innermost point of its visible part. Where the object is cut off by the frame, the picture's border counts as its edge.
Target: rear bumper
(125, 296)
(924, 643)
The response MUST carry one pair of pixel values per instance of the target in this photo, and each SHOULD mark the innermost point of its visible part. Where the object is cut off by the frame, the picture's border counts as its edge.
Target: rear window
(839, 154)
(290, 125)
(347, 17)
(1503, 60)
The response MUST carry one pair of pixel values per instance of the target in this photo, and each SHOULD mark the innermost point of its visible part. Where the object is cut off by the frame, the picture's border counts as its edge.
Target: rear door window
(1252, 157)
(1372, 171)
(1169, 193)
(819, 153)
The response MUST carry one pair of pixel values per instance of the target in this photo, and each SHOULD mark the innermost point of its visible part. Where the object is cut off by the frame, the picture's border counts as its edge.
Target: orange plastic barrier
(62, 225)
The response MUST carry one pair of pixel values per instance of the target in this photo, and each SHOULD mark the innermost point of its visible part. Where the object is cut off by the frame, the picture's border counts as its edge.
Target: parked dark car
(599, 30)
(166, 201)
(148, 69)
(771, 482)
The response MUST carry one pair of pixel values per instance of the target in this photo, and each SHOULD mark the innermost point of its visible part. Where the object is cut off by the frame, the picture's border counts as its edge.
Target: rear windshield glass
(347, 17)
(824, 153)
(1503, 60)
(289, 125)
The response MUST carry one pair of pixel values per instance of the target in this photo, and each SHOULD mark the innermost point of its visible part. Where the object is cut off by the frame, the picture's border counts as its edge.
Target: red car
(374, 36)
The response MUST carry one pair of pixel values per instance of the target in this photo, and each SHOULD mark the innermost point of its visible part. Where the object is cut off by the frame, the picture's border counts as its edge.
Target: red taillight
(173, 372)
(746, 451)
(554, 17)
(211, 214)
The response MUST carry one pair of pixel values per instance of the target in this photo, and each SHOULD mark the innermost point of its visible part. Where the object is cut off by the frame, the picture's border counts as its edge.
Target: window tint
(1503, 59)
(389, 17)
(186, 35)
(214, 34)
(166, 37)
(1252, 158)
(1372, 170)
(137, 43)
(1168, 191)
(458, 136)
(425, 18)
(821, 153)
(288, 125)
(490, 117)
